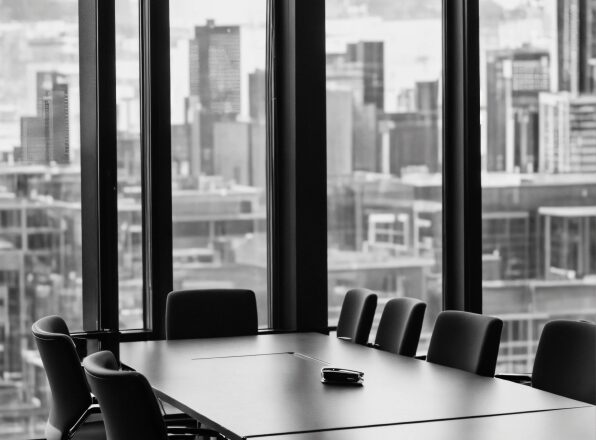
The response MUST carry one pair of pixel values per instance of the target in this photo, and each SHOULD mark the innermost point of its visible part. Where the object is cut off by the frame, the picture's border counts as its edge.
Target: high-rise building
(369, 56)
(45, 137)
(214, 63)
(567, 133)
(413, 141)
(515, 78)
(360, 69)
(414, 137)
(574, 53)
(34, 147)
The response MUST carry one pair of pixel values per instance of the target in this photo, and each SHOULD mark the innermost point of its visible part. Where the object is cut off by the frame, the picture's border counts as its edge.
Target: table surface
(270, 385)
(568, 424)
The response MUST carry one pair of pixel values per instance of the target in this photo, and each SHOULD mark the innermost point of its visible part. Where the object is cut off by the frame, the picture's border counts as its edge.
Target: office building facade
(575, 45)
(515, 78)
(214, 84)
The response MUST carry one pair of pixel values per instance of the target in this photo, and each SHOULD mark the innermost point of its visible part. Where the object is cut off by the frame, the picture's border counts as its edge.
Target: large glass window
(130, 226)
(40, 195)
(218, 145)
(538, 112)
(384, 152)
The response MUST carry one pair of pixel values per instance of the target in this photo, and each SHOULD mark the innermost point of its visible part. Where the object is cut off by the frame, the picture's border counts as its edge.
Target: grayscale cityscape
(384, 162)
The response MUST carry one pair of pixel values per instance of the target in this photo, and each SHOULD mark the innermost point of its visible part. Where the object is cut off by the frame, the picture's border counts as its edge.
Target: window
(538, 112)
(130, 227)
(384, 152)
(217, 52)
(40, 197)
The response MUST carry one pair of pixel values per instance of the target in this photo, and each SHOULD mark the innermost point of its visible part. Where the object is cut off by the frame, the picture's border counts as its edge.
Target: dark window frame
(462, 192)
(97, 60)
(296, 165)
(298, 189)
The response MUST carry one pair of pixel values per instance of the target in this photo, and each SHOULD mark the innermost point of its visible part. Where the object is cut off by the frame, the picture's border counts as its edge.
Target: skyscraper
(369, 55)
(45, 137)
(360, 69)
(215, 68)
(515, 78)
(575, 47)
(214, 63)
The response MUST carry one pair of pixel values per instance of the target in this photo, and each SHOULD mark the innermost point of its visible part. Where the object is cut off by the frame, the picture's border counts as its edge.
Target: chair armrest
(93, 409)
(524, 379)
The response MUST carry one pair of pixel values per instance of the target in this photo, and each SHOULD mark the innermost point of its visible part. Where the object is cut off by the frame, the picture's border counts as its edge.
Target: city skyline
(384, 154)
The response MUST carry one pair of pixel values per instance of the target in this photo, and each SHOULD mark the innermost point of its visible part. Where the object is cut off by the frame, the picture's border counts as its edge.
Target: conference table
(269, 386)
(564, 424)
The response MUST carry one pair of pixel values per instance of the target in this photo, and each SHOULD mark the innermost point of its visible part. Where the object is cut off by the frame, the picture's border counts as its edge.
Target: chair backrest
(565, 362)
(356, 316)
(400, 326)
(128, 405)
(211, 313)
(467, 341)
(70, 392)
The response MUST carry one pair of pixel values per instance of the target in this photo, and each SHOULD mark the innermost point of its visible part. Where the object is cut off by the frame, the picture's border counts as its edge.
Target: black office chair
(356, 316)
(129, 407)
(400, 326)
(211, 313)
(565, 362)
(467, 341)
(72, 408)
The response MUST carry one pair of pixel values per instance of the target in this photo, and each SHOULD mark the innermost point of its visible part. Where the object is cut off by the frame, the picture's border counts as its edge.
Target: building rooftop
(499, 180)
(568, 211)
(351, 260)
(505, 180)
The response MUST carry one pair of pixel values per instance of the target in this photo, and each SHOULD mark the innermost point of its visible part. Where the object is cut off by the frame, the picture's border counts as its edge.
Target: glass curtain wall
(384, 152)
(40, 197)
(538, 113)
(218, 130)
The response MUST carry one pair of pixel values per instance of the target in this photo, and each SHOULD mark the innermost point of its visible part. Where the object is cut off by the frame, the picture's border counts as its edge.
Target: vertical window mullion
(156, 159)
(99, 167)
(299, 200)
(462, 256)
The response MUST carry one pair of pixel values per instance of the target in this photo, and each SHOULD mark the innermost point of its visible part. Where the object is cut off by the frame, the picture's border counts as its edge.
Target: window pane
(218, 146)
(384, 152)
(40, 190)
(130, 226)
(538, 112)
